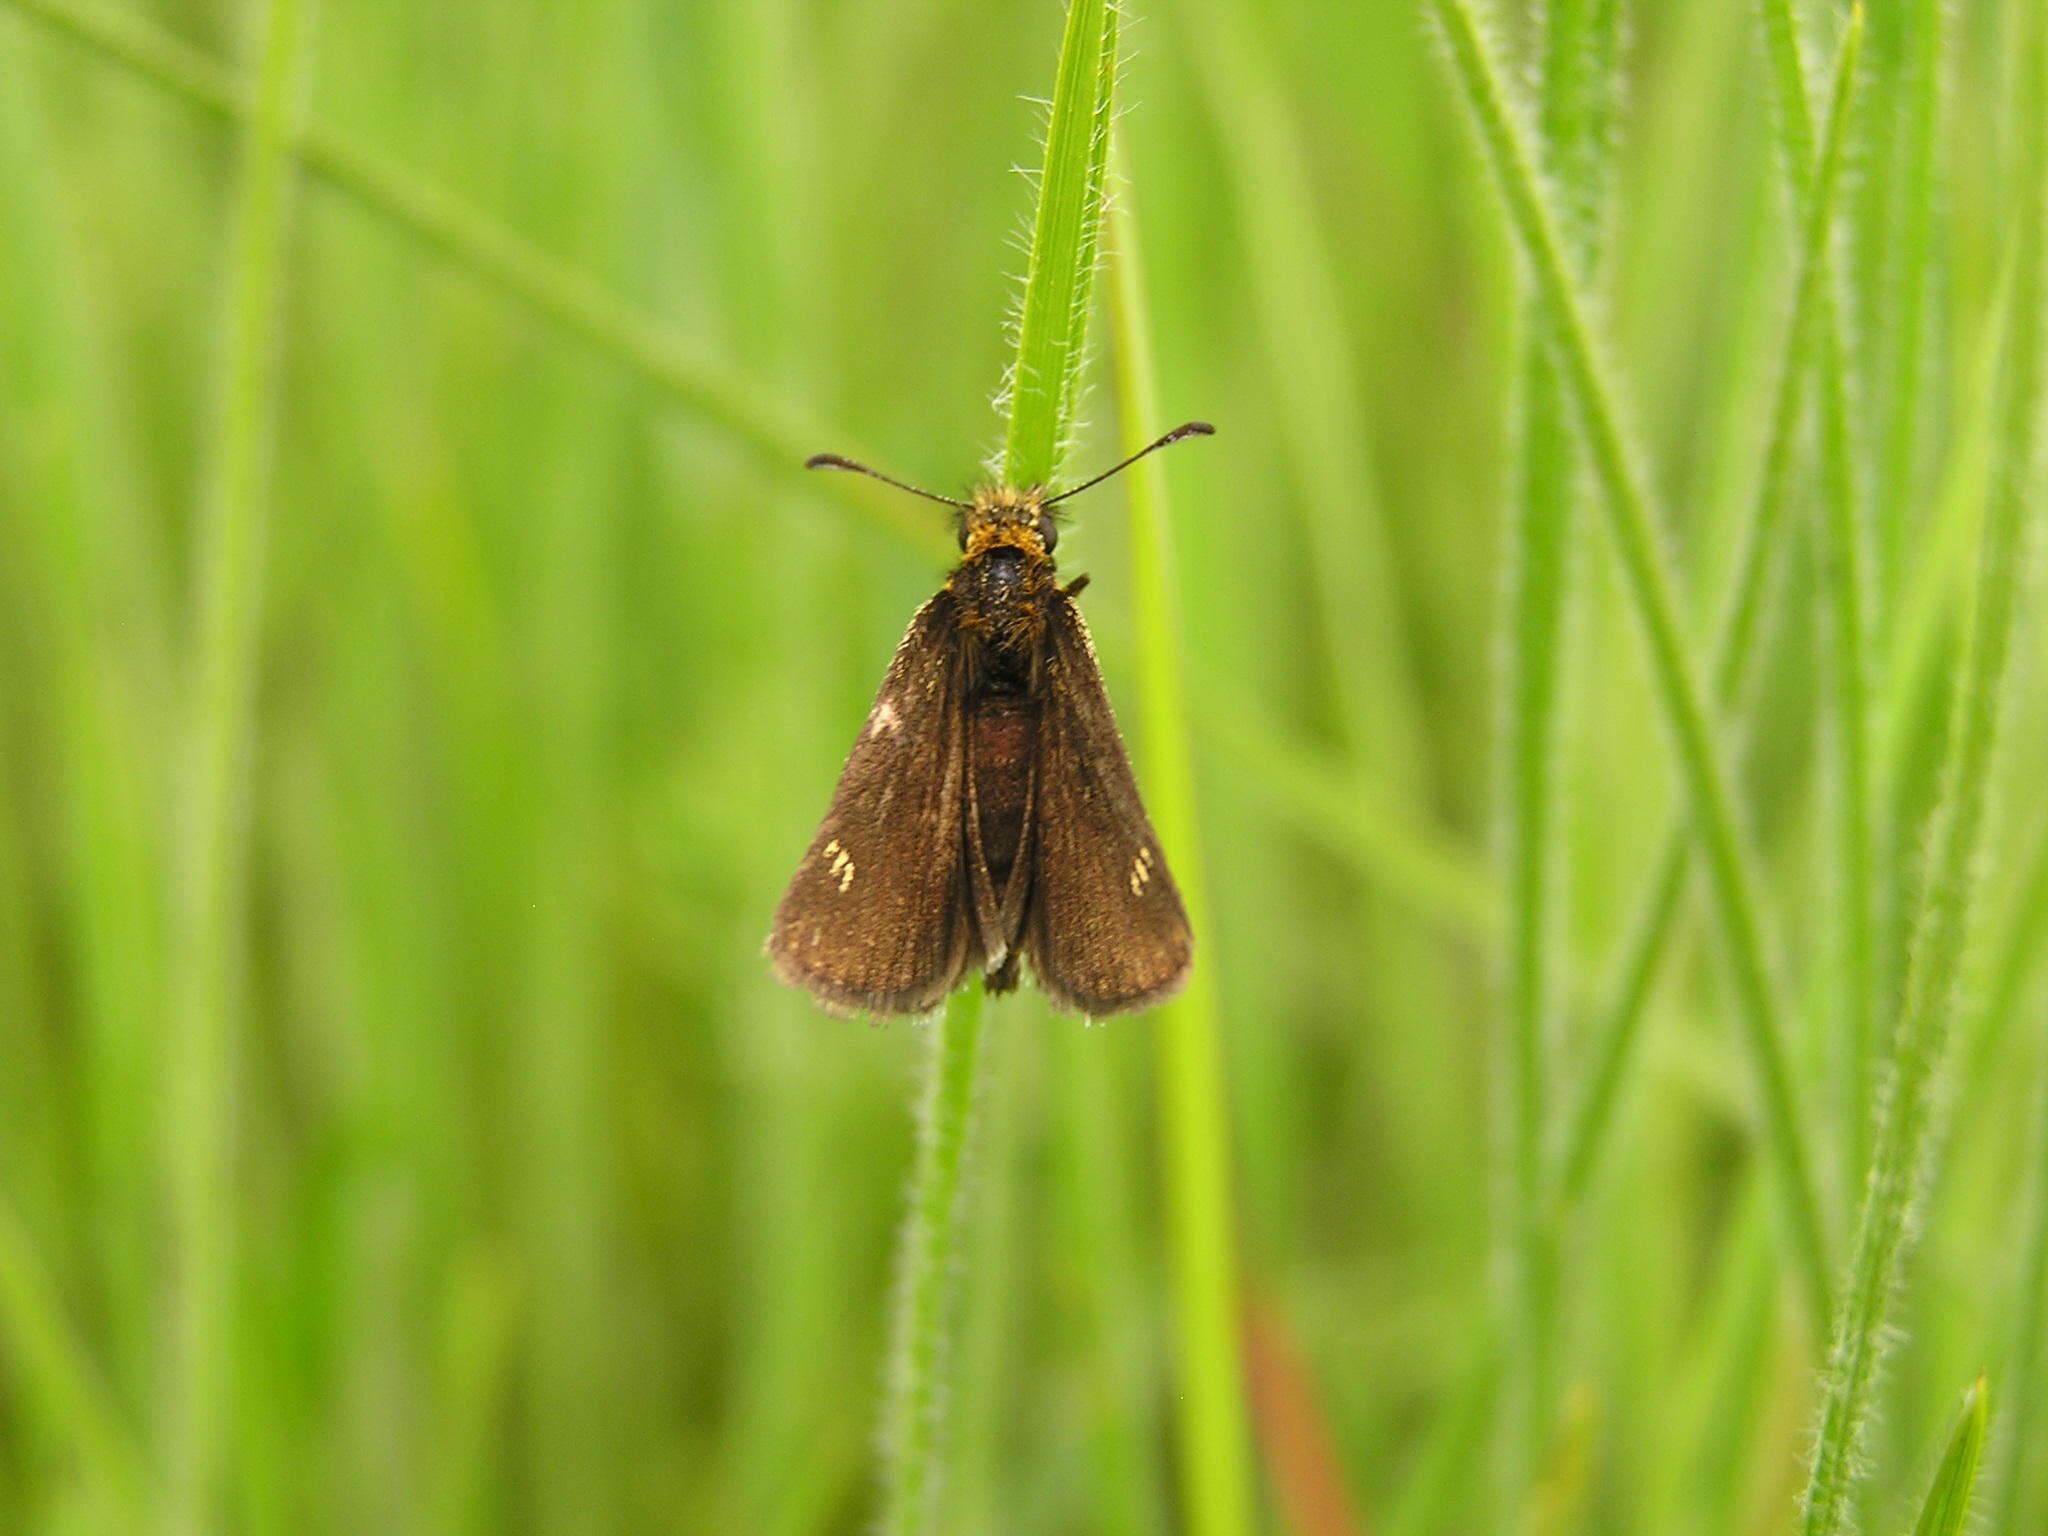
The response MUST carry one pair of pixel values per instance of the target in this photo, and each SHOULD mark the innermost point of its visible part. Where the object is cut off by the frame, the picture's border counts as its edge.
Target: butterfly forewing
(1106, 932)
(876, 918)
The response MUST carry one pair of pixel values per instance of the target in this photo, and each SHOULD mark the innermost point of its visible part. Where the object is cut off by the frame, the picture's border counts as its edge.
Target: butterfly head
(1002, 518)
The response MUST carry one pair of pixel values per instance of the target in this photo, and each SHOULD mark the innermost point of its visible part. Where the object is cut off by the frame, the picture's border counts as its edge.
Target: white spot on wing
(885, 719)
(842, 863)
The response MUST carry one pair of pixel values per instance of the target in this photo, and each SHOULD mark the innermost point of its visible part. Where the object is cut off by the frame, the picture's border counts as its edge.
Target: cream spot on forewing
(886, 719)
(1141, 871)
(842, 863)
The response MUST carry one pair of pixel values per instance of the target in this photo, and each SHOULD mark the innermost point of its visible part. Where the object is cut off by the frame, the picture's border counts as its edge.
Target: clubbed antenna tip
(1185, 430)
(837, 461)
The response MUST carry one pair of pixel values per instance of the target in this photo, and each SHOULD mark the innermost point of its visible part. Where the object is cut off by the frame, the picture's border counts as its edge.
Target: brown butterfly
(987, 812)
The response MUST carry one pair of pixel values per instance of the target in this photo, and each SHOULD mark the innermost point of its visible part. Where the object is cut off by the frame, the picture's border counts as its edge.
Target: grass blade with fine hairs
(1910, 263)
(1215, 1465)
(1947, 1510)
(921, 1337)
(1534, 225)
(1576, 80)
(211, 853)
(1052, 313)
(1043, 387)
(1843, 571)
(1858, 888)
(1904, 1129)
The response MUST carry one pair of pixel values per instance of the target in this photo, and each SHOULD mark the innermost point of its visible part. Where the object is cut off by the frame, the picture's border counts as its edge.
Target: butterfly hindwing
(1106, 931)
(876, 918)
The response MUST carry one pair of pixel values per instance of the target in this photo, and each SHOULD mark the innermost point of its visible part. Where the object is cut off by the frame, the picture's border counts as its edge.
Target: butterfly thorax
(1004, 580)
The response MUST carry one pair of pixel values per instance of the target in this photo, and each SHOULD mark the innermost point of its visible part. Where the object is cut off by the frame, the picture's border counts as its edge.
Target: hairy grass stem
(1575, 77)
(928, 1263)
(1844, 576)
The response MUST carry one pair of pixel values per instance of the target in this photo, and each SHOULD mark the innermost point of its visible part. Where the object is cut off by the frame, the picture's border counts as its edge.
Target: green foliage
(521, 1198)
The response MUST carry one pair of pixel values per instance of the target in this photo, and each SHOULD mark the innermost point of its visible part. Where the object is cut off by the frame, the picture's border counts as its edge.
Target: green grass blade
(1845, 580)
(207, 899)
(1909, 280)
(1052, 317)
(1214, 1456)
(1099, 1182)
(1535, 228)
(1947, 1510)
(1904, 1131)
(1844, 576)
(921, 1344)
(1576, 77)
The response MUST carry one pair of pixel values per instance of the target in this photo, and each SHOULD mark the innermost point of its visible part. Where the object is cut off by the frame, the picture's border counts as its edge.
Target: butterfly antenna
(834, 461)
(1184, 430)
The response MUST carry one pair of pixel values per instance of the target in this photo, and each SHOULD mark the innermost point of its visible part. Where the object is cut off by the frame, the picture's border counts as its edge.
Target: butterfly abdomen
(1000, 748)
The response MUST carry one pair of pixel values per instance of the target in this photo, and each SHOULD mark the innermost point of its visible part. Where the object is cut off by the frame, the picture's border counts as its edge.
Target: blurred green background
(550, 1210)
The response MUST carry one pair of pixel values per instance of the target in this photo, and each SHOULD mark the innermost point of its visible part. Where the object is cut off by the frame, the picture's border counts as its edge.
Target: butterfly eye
(962, 532)
(1048, 533)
